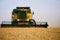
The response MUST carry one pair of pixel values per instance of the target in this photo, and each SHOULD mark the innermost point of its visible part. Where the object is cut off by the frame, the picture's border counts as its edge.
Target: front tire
(14, 23)
(32, 22)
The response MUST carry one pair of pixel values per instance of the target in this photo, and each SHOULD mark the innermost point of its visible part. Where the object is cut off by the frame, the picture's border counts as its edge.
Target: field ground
(30, 33)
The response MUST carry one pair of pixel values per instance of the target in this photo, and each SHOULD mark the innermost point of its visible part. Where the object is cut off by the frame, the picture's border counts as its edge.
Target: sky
(44, 10)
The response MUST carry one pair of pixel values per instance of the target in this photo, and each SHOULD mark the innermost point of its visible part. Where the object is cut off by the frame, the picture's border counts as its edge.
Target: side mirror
(33, 13)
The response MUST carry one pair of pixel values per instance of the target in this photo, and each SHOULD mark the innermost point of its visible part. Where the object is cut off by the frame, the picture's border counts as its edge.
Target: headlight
(18, 19)
(27, 19)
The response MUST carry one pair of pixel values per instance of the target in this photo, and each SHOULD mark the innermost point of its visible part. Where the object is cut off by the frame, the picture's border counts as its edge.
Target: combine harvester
(22, 17)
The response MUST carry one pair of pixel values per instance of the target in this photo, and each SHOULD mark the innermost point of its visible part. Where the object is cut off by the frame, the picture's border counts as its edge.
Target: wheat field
(30, 33)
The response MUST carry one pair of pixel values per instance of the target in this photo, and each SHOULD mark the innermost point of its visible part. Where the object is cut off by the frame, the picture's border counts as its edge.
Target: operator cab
(21, 14)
